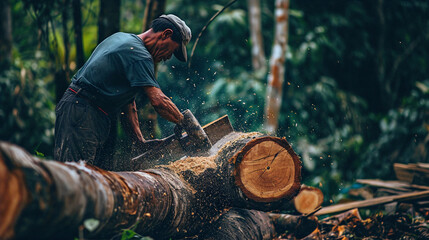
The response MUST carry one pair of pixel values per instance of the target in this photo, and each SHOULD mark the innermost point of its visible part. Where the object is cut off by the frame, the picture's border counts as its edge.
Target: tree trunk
(246, 224)
(277, 67)
(47, 198)
(258, 53)
(108, 19)
(154, 9)
(6, 34)
(62, 77)
(240, 224)
(77, 20)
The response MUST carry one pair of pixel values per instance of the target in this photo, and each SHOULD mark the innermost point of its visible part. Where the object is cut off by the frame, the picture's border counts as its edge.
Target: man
(120, 67)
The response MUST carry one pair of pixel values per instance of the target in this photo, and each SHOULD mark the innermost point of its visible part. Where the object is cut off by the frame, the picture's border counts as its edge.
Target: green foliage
(323, 124)
(241, 98)
(403, 138)
(27, 108)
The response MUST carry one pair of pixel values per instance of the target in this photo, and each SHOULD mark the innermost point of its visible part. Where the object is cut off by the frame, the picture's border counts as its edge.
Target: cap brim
(181, 54)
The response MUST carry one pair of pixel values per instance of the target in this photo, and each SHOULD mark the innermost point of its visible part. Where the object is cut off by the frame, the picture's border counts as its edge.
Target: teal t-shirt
(117, 67)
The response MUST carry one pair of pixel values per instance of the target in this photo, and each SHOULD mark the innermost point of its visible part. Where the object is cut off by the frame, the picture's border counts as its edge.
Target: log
(395, 185)
(308, 199)
(240, 224)
(412, 173)
(246, 224)
(374, 202)
(299, 225)
(47, 198)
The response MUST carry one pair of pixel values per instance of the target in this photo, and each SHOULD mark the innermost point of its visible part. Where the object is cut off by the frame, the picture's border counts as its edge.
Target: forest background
(355, 96)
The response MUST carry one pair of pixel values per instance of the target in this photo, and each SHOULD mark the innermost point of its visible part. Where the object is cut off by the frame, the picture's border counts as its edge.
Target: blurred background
(355, 96)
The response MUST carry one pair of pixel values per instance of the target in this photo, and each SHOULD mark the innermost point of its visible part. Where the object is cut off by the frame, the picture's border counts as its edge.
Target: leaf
(127, 234)
(39, 154)
(91, 224)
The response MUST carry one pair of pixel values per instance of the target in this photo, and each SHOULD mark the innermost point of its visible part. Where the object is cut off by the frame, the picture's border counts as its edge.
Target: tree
(108, 19)
(154, 9)
(277, 67)
(6, 34)
(77, 22)
(258, 53)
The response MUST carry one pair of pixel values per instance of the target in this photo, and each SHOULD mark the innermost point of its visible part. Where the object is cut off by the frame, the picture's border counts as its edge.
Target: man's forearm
(163, 105)
(168, 110)
(130, 122)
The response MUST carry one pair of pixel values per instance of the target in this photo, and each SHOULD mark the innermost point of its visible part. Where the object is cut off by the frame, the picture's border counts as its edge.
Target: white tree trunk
(258, 53)
(277, 67)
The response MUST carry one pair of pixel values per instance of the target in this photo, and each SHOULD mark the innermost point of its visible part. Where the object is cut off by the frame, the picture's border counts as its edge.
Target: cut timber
(373, 202)
(412, 173)
(42, 199)
(396, 185)
(171, 148)
(308, 199)
(267, 169)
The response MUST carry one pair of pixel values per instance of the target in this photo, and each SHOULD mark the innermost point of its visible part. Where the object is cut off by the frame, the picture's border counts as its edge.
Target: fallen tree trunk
(246, 224)
(43, 199)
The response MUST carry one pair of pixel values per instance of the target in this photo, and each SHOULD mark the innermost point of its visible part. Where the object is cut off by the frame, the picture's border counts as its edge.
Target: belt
(90, 98)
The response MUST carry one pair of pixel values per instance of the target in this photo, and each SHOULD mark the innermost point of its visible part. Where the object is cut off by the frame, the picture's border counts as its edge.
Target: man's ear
(167, 33)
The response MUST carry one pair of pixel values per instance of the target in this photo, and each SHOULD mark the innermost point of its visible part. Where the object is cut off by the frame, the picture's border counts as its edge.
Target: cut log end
(12, 194)
(308, 199)
(267, 170)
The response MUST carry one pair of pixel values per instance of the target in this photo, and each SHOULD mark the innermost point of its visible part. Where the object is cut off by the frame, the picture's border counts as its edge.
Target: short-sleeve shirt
(117, 68)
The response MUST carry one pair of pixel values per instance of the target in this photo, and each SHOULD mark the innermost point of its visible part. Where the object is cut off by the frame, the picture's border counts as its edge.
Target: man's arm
(163, 105)
(130, 122)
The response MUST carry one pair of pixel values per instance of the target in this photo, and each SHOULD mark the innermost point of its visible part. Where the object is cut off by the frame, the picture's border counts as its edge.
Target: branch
(204, 28)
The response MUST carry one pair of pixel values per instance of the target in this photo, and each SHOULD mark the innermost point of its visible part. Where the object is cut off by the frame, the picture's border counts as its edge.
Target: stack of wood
(414, 173)
(404, 208)
(224, 195)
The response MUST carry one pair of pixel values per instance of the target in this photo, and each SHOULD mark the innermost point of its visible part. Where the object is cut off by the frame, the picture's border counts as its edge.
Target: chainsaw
(181, 144)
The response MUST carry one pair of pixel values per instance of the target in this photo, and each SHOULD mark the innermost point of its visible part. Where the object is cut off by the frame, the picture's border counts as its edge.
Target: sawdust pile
(195, 164)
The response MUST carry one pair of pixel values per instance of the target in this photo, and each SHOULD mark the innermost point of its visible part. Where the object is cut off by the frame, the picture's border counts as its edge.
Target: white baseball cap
(185, 33)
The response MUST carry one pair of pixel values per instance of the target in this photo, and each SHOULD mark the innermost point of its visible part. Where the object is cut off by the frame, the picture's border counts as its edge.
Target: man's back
(118, 65)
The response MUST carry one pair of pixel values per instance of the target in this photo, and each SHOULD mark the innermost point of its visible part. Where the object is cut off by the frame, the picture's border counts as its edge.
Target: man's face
(165, 48)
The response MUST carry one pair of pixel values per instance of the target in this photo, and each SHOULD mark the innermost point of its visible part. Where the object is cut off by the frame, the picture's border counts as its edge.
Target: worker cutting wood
(120, 67)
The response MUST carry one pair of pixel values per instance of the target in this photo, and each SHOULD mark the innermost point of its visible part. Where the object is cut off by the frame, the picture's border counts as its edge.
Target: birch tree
(277, 67)
(258, 53)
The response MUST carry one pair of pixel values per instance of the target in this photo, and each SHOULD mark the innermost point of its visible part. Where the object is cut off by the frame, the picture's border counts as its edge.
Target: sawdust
(230, 138)
(197, 165)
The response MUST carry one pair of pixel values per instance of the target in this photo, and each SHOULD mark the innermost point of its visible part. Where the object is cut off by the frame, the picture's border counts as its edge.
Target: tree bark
(108, 19)
(277, 67)
(6, 34)
(258, 53)
(246, 224)
(47, 198)
(240, 224)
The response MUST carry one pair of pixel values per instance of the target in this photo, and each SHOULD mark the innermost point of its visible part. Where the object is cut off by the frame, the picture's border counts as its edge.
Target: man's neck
(149, 39)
